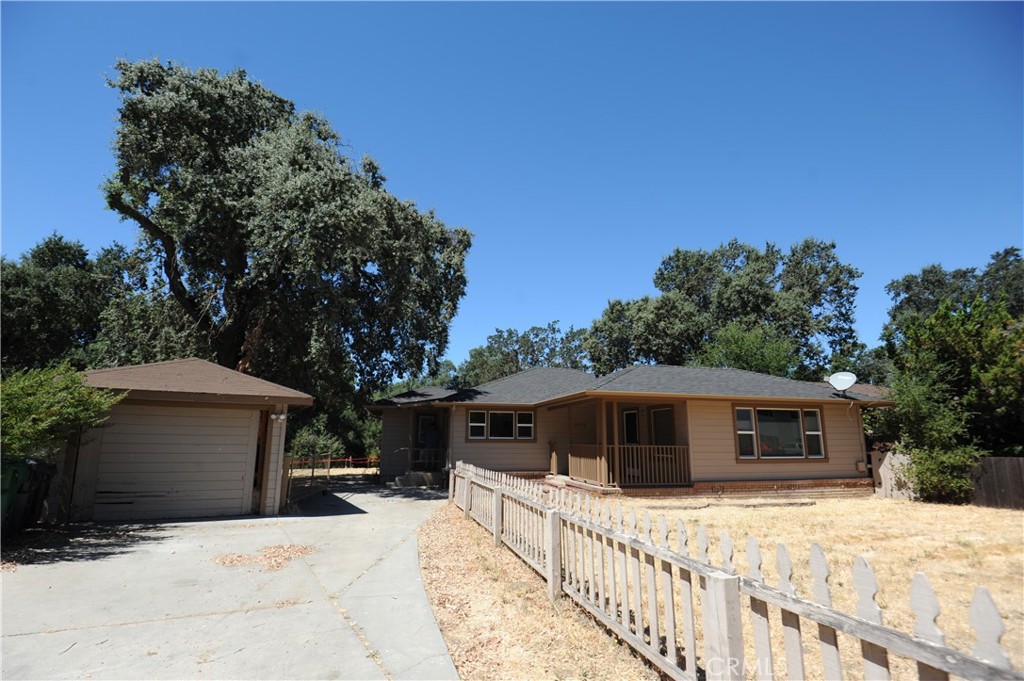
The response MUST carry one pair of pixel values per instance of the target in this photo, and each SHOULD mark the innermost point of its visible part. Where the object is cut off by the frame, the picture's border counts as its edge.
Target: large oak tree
(806, 295)
(292, 260)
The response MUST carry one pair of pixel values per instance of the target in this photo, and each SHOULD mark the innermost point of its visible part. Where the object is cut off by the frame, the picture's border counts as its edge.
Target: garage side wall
(150, 462)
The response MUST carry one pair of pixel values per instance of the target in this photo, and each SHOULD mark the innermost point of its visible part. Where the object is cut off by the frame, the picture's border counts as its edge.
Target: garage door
(175, 462)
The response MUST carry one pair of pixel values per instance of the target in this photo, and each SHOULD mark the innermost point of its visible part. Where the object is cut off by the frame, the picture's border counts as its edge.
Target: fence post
(467, 497)
(553, 562)
(451, 484)
(496, 516)
(723, 627)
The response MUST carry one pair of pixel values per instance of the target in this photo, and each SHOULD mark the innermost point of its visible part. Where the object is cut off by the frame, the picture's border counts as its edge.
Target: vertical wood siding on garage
(174, 462)
(713, 446)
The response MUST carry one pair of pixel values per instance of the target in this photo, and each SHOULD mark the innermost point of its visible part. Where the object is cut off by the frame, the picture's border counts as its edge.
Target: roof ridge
(148, 364)
(526, 371)
(616, 375)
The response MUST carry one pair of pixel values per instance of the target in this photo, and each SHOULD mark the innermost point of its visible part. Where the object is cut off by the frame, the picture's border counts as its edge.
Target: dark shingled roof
(661, 379)
(427, 393)
(545, 384)
(528, 387)
(194, 378)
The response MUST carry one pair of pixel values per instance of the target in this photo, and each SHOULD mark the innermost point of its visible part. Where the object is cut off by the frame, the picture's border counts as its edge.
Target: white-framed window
(524, 425)
(500, 425)
(813, 434)
(778, 433)
(477, 425)
(746, 436)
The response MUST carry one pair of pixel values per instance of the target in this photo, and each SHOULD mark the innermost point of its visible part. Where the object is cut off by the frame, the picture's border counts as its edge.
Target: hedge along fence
(693, 619)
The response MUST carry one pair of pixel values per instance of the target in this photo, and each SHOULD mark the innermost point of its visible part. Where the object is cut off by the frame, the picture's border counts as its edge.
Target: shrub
(40, 409)
(313, 441)
(943, 475)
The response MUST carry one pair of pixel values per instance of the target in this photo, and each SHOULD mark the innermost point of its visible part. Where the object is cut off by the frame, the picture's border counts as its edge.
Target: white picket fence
(624, 573)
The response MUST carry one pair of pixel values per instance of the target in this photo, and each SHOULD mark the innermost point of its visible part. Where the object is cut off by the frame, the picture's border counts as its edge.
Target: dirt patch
(496, 618)
(270, 558)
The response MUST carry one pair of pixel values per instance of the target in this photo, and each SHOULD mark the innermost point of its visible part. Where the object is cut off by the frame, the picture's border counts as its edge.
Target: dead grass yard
(495, 616)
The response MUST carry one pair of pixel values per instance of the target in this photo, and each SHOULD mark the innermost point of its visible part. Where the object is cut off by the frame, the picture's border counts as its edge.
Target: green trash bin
(12, 474)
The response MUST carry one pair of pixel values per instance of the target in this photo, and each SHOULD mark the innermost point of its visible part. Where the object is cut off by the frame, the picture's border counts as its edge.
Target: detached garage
(190, 439)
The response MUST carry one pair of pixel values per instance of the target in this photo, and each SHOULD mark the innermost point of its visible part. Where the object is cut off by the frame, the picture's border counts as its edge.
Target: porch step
(420, 479)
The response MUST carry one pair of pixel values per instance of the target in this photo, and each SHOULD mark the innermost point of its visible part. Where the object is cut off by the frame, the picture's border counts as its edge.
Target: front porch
(624, 444)
(630, 465)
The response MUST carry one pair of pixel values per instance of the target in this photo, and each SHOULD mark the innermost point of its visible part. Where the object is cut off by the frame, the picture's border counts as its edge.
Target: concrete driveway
(152, 601)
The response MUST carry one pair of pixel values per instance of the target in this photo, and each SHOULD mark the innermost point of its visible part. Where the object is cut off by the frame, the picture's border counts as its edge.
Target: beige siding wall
(713, 447)
(510, 455)
(394, 439)
(168, 462)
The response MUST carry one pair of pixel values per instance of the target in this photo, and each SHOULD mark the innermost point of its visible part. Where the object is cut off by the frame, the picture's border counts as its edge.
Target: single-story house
(190, 439)
(643, 426)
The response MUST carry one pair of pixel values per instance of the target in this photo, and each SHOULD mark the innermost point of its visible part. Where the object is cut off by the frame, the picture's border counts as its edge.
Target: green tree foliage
(873, 366)
(288, 259)
(314, 441)
(980, 348)
(806, 295)
(42, 408)
(920, 295)
(508, 352)
(52, 301)
(761, 349)
(956, 342)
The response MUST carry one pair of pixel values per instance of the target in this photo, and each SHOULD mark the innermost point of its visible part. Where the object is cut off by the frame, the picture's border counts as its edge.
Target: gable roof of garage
(193, 380)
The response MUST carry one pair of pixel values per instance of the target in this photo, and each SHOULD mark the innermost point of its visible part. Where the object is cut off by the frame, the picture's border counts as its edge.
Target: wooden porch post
(615, 443)
(602, 440)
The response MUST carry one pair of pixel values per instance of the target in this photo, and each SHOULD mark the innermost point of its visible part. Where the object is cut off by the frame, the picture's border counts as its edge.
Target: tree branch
(199, 315)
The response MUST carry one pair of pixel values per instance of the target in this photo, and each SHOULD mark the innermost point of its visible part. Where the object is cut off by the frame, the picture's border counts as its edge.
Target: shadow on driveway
(78, 542)
(325, 499)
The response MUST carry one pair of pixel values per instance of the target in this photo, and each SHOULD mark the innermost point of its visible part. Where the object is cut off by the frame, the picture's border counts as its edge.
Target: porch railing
(633, 465)
(588, 462)
(652, 465)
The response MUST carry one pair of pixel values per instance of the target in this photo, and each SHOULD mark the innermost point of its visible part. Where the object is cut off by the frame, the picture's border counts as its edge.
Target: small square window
(478, 424)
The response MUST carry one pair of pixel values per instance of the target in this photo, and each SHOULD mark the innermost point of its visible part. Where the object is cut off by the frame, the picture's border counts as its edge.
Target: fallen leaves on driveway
(269, 558)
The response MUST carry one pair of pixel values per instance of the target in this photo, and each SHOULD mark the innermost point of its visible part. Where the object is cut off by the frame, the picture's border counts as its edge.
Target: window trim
(470, 424)
(531, 425)
(758, 457)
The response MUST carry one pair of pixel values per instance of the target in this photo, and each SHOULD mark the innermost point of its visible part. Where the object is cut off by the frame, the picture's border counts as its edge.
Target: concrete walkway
(151, 601)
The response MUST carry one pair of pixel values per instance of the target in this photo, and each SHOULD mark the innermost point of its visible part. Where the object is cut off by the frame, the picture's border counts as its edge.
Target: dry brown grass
(498, 623)
(957, 547)
(496, 618)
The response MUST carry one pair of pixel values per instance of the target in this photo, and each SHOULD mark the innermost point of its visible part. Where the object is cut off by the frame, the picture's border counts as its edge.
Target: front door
(428, 454)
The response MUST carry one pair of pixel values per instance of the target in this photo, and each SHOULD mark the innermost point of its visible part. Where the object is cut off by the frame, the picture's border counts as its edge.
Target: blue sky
(580, 142)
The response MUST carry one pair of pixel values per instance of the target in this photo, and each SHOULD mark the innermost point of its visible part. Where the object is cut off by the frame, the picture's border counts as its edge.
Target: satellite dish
(842, 381)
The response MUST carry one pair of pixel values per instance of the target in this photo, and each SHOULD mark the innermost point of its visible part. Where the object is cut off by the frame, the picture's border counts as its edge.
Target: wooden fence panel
(999, 482)
(631, 581)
